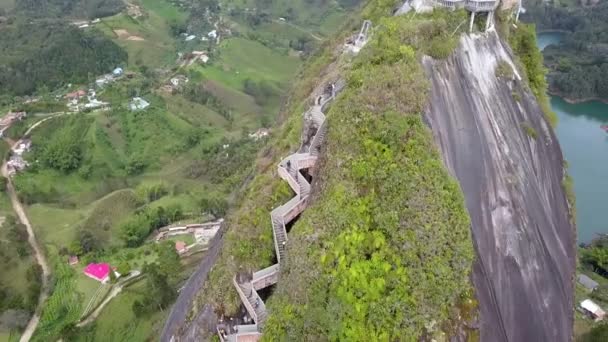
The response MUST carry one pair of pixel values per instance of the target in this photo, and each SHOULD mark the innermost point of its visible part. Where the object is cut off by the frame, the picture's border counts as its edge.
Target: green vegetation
(597, 334)
(530, 131)
(579, 69)
(522, 40)
(78, 8)
(353, 280)
(101, 182)
(504, 70)
(20, 280)
(51, 54)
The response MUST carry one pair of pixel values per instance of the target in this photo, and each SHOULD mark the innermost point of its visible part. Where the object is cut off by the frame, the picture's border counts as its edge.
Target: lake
(585, 147)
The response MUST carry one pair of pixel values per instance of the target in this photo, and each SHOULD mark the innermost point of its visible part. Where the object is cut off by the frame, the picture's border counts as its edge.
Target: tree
(124, 268)
(598, 333)
(112, 277)
(215, 204)
(169, 263)
(88, 242)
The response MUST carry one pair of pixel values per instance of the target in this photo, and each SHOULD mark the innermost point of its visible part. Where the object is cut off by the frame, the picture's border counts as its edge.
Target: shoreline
(576, 101)
(552, 31)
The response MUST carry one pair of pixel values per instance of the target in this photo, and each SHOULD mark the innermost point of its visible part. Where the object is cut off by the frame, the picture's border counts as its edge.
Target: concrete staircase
(289, 169)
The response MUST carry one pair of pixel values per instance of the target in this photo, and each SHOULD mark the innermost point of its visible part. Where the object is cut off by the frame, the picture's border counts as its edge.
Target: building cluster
(138, 103)
(116, 74)
(84, 100)
(587, 306)
(16, 162)
(187, 59)
(8, 120)
(259, 134)
(174, 84)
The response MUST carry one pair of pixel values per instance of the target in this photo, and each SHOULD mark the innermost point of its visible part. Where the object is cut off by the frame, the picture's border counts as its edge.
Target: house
(99, 272)
(593, 310)
(138, 104)
(259, 134)
(117, 72)
(73, 260)
(190, 37)
(178, 80)
(9, 118)
(75, 95)
(212, 34)
(16, 163)
(22, 146)
(587, 282)
(180, 247)
(103, 80)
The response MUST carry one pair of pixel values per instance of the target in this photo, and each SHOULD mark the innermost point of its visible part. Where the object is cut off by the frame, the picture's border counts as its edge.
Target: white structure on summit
(473, 6)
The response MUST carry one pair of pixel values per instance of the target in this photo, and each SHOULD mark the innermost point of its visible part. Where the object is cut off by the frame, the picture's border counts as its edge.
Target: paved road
(181, 308)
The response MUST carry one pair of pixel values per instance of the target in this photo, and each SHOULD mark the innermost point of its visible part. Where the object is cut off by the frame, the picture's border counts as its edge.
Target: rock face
(512, 181)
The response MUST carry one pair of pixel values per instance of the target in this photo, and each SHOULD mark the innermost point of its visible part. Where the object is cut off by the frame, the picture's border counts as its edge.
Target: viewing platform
(481, 5)
(451, 4)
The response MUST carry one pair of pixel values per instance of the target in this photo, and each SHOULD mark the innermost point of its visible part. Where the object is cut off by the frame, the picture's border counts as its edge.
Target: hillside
(348, 273)
(578, 64)
(101, 180)
(384, 248)
(46, 55)
(78, 9)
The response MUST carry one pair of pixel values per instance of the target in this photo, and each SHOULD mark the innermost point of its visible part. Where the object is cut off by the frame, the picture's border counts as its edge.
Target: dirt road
(113, 293)
(38, 254)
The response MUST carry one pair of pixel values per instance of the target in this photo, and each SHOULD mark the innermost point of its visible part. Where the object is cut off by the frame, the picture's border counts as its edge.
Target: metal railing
(480, 5)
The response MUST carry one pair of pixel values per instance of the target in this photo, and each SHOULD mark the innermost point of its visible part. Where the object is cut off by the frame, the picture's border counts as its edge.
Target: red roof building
(99, 272)
(180, 247)
(73, 260)
(76, 95)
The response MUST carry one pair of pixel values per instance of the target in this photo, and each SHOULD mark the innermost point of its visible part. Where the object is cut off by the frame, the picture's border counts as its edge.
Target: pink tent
(98, 272)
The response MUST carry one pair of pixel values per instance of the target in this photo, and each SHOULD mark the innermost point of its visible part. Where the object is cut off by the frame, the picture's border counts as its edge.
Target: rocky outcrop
(495, 140)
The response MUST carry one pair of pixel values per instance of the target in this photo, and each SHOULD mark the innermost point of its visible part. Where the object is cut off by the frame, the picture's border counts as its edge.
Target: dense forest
(69, 8)
(579, 64)
(48, 54)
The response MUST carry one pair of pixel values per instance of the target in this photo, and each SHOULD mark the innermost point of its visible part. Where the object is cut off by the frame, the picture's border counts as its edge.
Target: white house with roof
(138, 104)
(593, 310)
(117, 72)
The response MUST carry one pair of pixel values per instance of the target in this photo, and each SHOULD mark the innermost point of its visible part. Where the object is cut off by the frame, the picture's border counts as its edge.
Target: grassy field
(118, 323)
(9, 336)
(187, 238)
(156, 47)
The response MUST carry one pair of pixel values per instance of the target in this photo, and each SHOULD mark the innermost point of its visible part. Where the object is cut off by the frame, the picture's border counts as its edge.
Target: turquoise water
(547, 38)
(585, 147)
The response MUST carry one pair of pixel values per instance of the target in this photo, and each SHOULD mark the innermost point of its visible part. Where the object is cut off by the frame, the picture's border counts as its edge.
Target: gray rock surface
(525, 243)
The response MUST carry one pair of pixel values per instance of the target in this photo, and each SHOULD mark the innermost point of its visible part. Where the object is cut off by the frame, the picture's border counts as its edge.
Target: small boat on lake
(605, 128)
